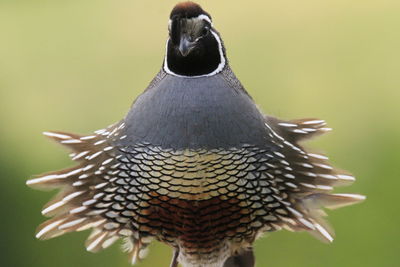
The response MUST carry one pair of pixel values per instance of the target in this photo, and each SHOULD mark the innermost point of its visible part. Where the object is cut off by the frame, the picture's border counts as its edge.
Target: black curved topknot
(188, 10)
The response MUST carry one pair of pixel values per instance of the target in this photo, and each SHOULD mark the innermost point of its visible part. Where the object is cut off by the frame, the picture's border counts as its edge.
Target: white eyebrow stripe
(204, 17)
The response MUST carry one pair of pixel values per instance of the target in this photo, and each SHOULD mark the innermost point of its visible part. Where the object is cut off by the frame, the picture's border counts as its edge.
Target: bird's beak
(185, 45)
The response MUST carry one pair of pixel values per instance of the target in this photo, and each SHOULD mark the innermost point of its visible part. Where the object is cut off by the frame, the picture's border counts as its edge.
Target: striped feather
(309, 176)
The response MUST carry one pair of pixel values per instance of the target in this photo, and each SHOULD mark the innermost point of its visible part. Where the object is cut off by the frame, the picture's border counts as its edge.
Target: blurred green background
(77, 66)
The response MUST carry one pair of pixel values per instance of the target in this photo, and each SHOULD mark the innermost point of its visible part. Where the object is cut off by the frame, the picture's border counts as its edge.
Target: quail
(194, 164)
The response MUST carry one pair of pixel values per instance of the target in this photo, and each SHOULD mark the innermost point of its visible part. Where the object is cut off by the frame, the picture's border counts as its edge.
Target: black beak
(185, 45)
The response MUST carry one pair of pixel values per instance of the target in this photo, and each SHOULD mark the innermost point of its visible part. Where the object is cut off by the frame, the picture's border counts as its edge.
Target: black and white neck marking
(204, 54)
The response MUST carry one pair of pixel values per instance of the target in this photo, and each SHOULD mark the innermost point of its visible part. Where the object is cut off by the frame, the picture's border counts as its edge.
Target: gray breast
(203, 112)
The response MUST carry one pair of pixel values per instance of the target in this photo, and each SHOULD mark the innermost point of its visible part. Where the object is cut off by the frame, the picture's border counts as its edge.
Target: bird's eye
(205, 31)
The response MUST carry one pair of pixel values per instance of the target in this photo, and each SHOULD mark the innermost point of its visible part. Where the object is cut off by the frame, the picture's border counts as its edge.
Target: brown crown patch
(188, 10)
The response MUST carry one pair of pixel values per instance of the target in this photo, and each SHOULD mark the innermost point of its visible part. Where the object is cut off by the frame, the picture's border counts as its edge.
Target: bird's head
(194, 47)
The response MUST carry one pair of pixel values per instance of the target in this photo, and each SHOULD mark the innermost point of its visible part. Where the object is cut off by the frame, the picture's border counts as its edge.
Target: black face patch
(203, 59)
(193, 28)
(175, 30)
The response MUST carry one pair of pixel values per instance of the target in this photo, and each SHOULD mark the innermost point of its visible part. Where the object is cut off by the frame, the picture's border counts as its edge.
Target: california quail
(194, 164)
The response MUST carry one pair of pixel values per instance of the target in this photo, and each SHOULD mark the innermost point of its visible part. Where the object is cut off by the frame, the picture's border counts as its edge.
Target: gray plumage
(204, 112)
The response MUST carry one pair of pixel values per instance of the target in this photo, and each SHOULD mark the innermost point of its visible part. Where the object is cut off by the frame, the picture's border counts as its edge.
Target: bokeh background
(77, 66)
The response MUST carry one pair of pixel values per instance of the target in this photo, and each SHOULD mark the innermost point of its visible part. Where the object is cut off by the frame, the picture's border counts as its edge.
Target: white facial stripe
(221, 55)
(216, 71)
